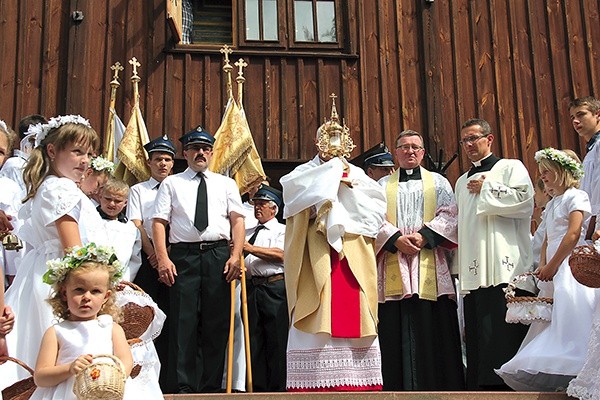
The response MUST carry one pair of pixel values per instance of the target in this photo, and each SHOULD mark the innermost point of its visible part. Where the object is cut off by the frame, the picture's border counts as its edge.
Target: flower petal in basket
(103, 379)
(526, 309)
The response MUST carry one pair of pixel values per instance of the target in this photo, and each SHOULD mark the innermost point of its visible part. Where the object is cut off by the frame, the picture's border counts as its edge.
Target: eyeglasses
(409, 147)
(471, 139)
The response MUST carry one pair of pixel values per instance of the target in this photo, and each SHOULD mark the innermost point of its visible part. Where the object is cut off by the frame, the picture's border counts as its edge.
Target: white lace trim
(586, 385)
(333, 367)
(128, 295)
(527, 312)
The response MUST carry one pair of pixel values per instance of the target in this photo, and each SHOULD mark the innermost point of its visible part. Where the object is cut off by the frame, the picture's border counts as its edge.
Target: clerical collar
(590, 144)
(409, 174)
(121, 217)
(482, 161)
(483, 165)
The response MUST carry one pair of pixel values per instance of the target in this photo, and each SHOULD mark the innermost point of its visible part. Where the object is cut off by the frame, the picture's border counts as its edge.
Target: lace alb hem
(528, 311)
(582, 393)
(334, 367)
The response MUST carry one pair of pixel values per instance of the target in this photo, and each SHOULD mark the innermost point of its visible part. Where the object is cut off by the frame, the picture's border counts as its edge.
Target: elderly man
(201, 263)
(267, 304)
(495, 204)
(418, 323)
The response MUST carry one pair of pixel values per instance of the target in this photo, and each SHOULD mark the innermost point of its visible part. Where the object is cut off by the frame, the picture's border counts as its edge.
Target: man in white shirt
(585, 116)
(201, 263)
(267, 304)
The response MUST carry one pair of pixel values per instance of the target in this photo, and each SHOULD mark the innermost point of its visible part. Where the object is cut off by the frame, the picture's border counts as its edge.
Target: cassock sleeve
(507, 191)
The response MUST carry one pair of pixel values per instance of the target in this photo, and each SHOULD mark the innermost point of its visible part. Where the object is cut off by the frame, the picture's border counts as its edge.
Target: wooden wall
(426, 66)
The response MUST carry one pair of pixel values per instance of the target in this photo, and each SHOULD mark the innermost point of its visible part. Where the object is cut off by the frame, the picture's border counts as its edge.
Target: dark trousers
(268, 320)
(147, 279)
(490, 340)
(200, 302)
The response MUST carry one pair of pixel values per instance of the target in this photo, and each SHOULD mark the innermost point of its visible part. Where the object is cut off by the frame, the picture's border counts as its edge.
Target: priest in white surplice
(495, 203)
(418, 323)
(333, 212)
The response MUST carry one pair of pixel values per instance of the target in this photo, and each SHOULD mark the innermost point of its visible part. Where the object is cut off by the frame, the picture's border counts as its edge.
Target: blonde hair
(38, 165)
(58, 302)
(564, 176)
(10, 137)
(116, 186)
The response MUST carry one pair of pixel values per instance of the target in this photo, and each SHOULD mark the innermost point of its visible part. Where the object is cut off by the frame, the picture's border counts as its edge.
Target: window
(277, 24)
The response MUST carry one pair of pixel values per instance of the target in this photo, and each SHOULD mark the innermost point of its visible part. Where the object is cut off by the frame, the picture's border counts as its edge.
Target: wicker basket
(101, 380)
(136, 319)
(21, 390)
(526, 309)
(585, 265)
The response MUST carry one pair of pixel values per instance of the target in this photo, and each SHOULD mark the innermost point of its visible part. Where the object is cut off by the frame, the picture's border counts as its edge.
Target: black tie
(253, 237)
(201, 216)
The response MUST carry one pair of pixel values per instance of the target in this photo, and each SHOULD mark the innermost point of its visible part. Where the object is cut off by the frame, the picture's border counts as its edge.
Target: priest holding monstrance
(333, 213)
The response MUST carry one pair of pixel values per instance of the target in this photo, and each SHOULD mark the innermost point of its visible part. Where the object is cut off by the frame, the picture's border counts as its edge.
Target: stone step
(376, 396)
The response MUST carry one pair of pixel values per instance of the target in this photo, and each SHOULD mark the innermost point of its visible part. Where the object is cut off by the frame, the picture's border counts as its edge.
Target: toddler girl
(83, 299)
(553, 354)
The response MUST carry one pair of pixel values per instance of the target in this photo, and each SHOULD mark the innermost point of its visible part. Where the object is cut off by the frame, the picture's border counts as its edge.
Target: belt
(263, 280)
(202, 246)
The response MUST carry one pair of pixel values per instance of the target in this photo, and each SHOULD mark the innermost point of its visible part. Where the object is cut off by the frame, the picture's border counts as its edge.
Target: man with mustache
(204, 212)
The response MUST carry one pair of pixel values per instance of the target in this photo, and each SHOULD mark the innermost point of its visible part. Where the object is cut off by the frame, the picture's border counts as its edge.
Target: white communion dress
(74, 339)
(56, 197)
(550, 359)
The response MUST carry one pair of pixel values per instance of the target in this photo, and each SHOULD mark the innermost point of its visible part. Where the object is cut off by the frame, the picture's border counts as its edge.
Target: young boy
(125, 235)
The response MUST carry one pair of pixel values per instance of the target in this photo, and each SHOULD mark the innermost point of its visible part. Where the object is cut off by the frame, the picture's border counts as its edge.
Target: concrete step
(376, 396)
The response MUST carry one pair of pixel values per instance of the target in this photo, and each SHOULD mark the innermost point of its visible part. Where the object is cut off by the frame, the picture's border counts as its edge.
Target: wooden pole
(246, 327)
(230, 343)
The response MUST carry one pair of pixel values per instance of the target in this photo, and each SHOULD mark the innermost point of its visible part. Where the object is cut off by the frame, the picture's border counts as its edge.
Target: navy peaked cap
(269, 193)
(198, 135)
(383, 159)
(162, 144)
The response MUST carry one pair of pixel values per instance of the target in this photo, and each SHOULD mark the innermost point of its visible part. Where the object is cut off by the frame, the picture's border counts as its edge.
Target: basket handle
(16, 361)
(114, 358)
(132, 285)
(512, 285)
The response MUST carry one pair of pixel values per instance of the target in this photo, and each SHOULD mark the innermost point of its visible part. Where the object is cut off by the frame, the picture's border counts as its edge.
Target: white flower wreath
(60, 267)
(42, 130)
(563, 159)
(100, 163)
(3, 126)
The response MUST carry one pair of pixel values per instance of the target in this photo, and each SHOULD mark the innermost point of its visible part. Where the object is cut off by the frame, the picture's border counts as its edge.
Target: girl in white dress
(553, 354)
(83, 299)
(57, 215)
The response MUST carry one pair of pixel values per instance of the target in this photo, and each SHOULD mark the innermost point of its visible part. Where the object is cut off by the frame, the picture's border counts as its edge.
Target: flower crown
(100, 163)
(561, 158)
(59, 268)
(3, 125)
(42, 130)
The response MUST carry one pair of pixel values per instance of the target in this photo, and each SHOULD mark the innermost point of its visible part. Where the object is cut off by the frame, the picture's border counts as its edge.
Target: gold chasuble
(308, 266)
(427, 266)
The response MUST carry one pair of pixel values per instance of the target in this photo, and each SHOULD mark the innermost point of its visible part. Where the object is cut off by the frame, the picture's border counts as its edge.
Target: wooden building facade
(426, 65)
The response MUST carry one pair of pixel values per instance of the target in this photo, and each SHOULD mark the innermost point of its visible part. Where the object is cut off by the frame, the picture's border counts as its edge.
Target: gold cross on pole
(241, 64)
(116, 67)
(135, 64)
(226, 51)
